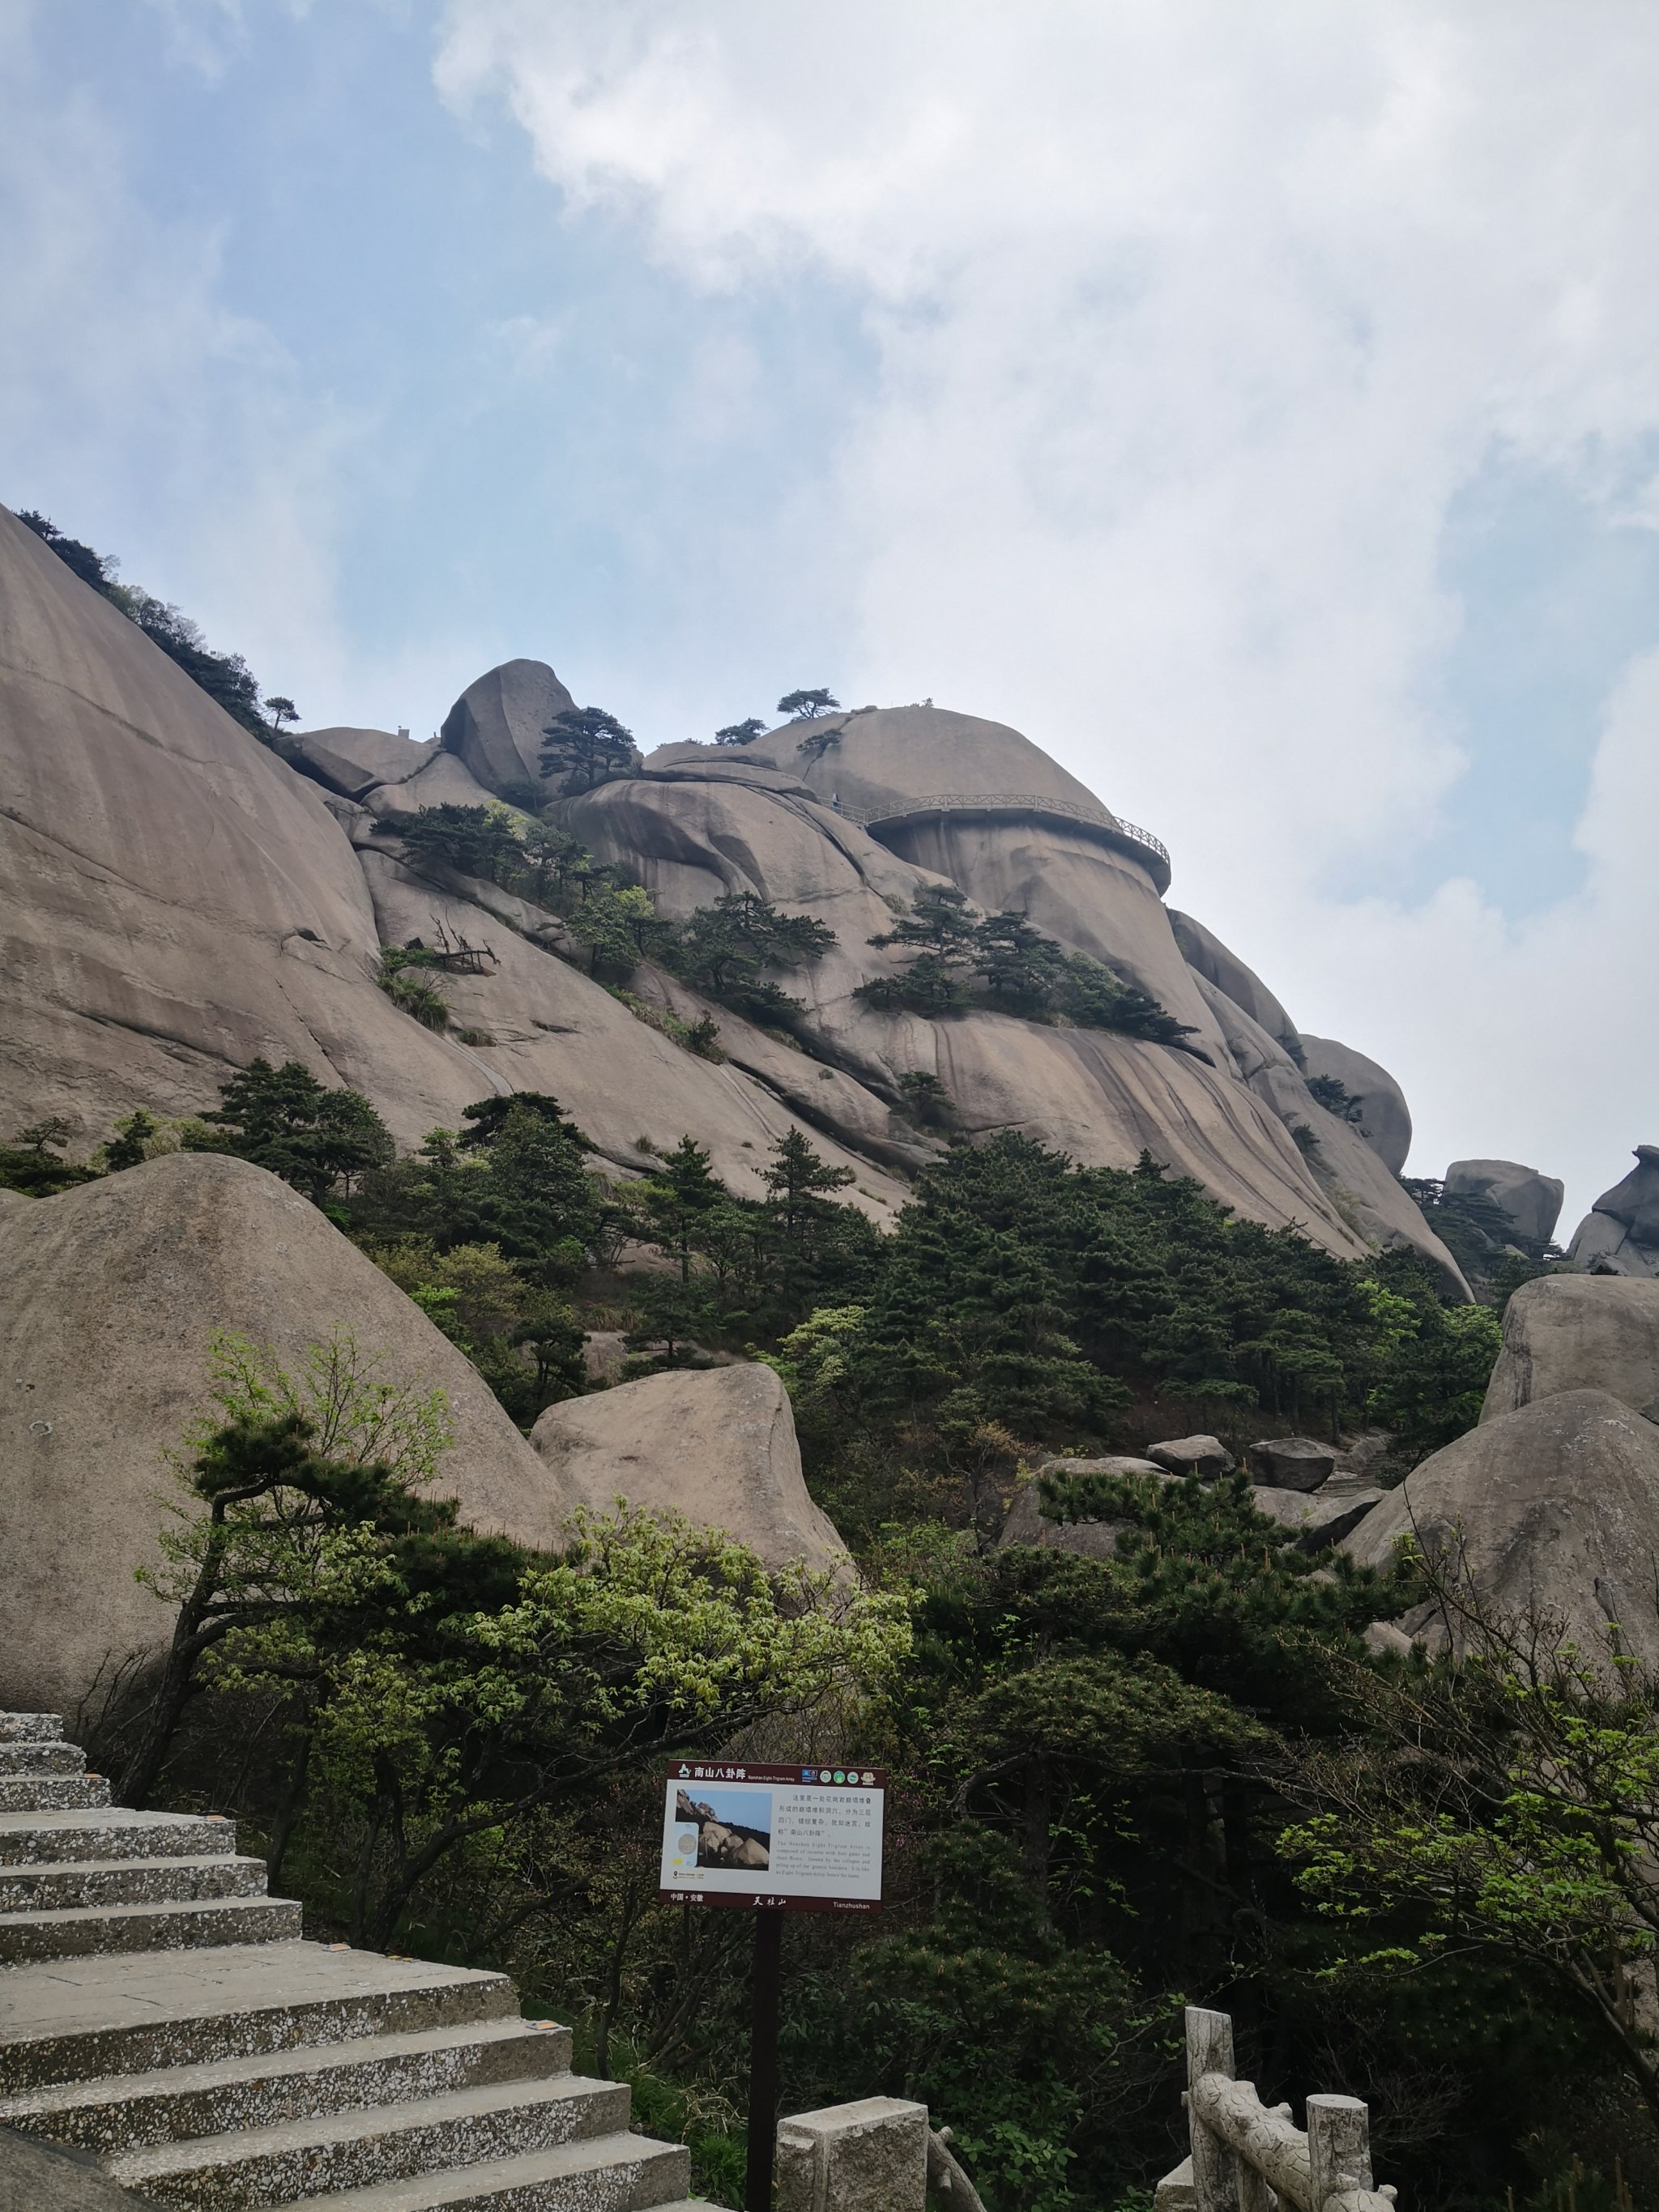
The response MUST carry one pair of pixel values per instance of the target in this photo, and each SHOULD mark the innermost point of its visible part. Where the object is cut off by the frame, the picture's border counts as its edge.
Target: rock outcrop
(111, 1295)
(1384, 1119)
(496, 726)
(179, 900)
(1292, 1462)
(186, 900)
(1555, 1510)
(1203, 1456)
(714, 1445)
(1619, 1235)
(1579, 1332)
(1531, 1201)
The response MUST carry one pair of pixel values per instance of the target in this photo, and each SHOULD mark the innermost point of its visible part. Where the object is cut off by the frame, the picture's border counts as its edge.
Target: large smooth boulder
(1203, 1456)
(1384, 1119)
(1532, 1201)
(1318, 1521)
(1204, 952)
(177, 899)
(353, 762)
(1579, 1332)
(1292, 1462)
(111, 1295)
(1556, 1510)
(1619, 1236)
(498, 725)
(715, 1445)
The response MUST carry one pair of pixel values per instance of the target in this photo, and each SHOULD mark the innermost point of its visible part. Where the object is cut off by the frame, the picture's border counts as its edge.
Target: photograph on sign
(804, 1839)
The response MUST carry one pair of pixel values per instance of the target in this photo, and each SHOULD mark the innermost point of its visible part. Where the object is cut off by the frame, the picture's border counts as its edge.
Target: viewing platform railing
(1150, 851)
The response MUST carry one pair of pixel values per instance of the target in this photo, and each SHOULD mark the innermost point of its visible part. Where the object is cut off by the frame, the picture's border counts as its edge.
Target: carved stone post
(1338, 2147)
(1215, 2166)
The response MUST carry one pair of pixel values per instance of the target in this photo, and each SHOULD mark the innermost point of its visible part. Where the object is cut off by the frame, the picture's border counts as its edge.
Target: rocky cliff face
(184, 900)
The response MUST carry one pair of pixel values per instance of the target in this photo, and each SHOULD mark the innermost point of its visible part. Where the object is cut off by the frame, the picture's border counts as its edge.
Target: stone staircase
(160, 2011)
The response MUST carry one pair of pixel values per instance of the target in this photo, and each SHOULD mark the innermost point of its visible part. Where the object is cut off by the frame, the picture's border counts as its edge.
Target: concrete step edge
(71, 1869)
(190, 2032)
(244, 2147)
(32, 2110)
(31, 1728)
(37, 1829)
(508, 2182)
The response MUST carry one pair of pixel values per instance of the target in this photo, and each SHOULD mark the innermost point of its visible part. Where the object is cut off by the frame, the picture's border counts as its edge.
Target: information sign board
(784, 1839)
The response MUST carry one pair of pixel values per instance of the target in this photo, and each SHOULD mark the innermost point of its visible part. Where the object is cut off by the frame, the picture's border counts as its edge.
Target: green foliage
(34, 1163)
(1334, 1095)
(740, 734)
(587, 746)
(127, 1147)
(1505, 1802)
(725, 948)
(620, 926)
(1435, 1361)
(443, 1685)
(807, 706)
(1000, 961)
(321, 1141)
(411, 992)
(927, 1100)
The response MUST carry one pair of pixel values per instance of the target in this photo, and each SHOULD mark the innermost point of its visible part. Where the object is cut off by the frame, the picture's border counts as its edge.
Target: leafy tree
(34, 1164)
(797, 1178)
(447, 1686)
(98, 569)
(127, 1148)
(1435, 1361)
(926, 1099)
(740, 734)
(283, 1118)
(678, 1199)
(1334, 1095)
(807, 706)
(280, 710)
(474, 840)
(1019, 964)
(619, 926)
(724, 950)
(587, 746)
(1503, 1801)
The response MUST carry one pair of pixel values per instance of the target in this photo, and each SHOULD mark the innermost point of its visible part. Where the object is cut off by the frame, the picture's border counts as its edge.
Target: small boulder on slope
(1292, 1462)
(109, 1297)
(1556, 1507)
(715, 1445)
(1579, 1332)
(1202, 1455)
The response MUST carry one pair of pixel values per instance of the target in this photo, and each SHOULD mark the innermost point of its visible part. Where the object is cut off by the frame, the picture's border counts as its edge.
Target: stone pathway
(158, 2010)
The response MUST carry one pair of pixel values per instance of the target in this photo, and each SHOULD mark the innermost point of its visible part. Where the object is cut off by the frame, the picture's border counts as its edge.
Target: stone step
(334, 2151)
(131, 2111)
(42, 1759)
(33, 1838)
(68, 1883)
(52, 1793)
(129, 2012)
(617, 2172)
(31, 1728)
(28, 1938)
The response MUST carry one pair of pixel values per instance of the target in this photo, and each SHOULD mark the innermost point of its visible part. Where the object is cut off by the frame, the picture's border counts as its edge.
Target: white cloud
(1192, 320)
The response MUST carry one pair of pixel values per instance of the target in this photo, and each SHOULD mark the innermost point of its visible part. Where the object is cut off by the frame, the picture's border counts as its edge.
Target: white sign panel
(801, 1839)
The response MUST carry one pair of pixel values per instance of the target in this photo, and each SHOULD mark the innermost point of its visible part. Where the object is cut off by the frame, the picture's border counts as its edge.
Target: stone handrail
(1245, 2155)
(1016, 802)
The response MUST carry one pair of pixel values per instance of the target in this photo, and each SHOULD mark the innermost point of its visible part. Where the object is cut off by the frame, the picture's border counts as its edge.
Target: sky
(1258, 406)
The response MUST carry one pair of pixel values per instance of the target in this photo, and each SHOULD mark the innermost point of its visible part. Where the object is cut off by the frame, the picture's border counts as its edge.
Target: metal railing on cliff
(1151, 851)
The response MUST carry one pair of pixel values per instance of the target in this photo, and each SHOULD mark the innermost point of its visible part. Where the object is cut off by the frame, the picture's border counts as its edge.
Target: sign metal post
(770, 1840)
